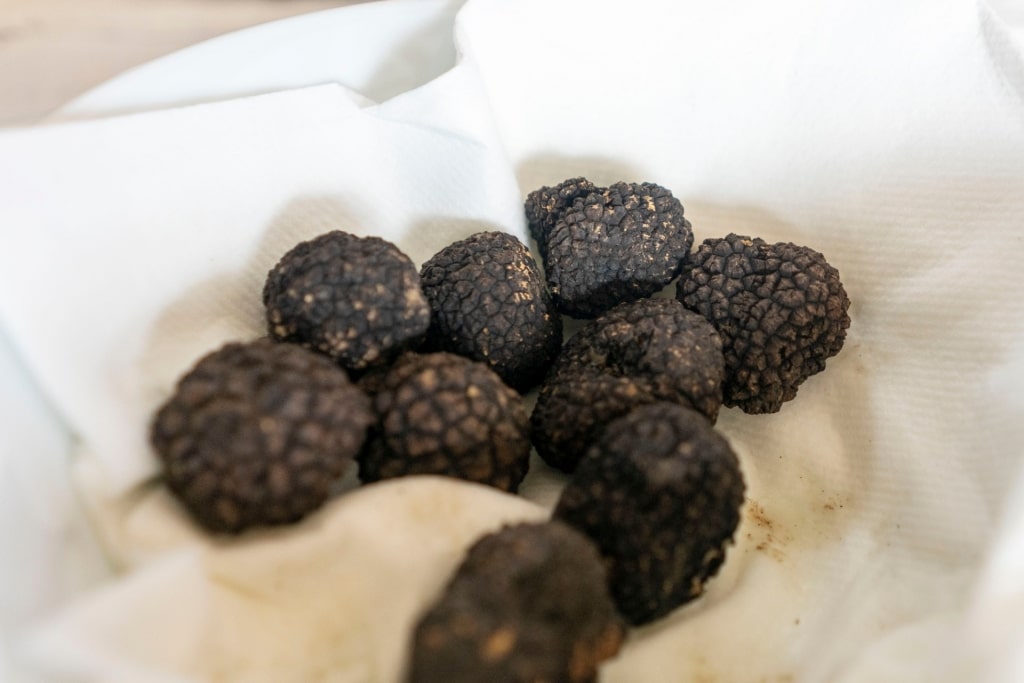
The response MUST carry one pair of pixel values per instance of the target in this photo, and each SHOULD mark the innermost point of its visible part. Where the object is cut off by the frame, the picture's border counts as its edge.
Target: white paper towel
(322, 601)
(889, 136)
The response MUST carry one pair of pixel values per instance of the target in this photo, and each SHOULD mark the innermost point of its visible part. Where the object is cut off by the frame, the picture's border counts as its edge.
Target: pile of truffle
(410, 372)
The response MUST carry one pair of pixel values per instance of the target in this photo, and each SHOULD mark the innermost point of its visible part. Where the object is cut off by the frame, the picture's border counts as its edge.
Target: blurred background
(53, 50)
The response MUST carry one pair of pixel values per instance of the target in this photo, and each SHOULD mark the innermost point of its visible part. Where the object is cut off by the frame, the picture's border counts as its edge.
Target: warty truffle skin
(639, 352)
(660, 493)
(529, 603)
(781, 310)
(488, 302)
(439, 413)
(544, 206)
(618, 244)
(257, 433)
(356, 299)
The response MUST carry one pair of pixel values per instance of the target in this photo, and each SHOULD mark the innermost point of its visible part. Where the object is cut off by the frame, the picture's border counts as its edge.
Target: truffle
(356, 299)
(614, 245)
(781, 311)
(639, 352)
(439, 413)
(488, 302)
(546, 205)
(660, 494)
(256, 434)
(529, 603)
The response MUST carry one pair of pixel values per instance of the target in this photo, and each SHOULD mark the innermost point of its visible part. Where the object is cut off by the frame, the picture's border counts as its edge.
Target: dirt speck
(758, 516)
(832, 504)
(766, 537)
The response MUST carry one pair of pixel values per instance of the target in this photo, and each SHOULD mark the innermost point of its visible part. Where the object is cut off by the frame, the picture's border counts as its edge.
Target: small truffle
(781, 311)
(660, 493)
(439, 413)
(529, 603)
(256, 434)
(639, 352)
(488, 302)
(545, 206)
(615, 245)
(356, 299)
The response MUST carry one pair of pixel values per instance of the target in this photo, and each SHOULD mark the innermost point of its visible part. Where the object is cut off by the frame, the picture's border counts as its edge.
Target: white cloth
(882, 537)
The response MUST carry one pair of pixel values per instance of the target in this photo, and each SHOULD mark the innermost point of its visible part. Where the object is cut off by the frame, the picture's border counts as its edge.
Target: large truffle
(639, 352)
(546, 205)
(781, 311)
(488, 302)
(529, 603)
(660, 494)
(356, 299)
(439, 413)
(613, 245)
(256, 434)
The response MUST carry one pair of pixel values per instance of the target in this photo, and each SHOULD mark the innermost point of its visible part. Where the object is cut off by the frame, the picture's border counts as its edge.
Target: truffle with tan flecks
(780, 309)
(439, 413)
(488, 302)
(355, 299)
(256, 434)
(660, 493)
(529, 603)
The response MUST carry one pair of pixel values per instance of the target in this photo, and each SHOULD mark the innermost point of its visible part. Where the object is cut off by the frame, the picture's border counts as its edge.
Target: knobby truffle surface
(529, 603)
(639, 352)
(614, 245)
(660, 493)
(439, 413)
(356, 299)
(781, 311)
(488, 302)
(256, 434)
(546, 205)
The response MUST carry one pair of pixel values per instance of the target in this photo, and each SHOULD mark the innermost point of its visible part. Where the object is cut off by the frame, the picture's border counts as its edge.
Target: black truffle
(546, 205)
(256, 434)
(660, 494)
(614, 245)
(356, 299)
(439, 413)
(529, 603)
(781, 311)
(489, 303)
(639, 352)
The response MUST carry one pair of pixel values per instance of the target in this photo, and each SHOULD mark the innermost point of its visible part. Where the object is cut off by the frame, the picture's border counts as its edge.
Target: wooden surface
(54, 50)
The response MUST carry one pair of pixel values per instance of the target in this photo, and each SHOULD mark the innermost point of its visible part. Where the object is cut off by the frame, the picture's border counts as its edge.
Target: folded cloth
(333, 598)
(881, 536)
(156, 253)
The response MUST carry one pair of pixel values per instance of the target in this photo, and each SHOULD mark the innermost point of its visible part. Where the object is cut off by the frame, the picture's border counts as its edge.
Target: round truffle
(529, 603)
(660, 493)
(780, 309)
(615, 245)
(356, 299)
(439, 413)
(546, 205)
(256, 434)
(639, 352)
(488, 302)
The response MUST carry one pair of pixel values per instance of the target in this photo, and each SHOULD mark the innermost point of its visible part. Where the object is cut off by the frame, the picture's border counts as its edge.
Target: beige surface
(54, 50)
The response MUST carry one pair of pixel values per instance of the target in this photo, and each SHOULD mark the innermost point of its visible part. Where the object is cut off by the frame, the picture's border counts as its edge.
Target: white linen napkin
(882, 536)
